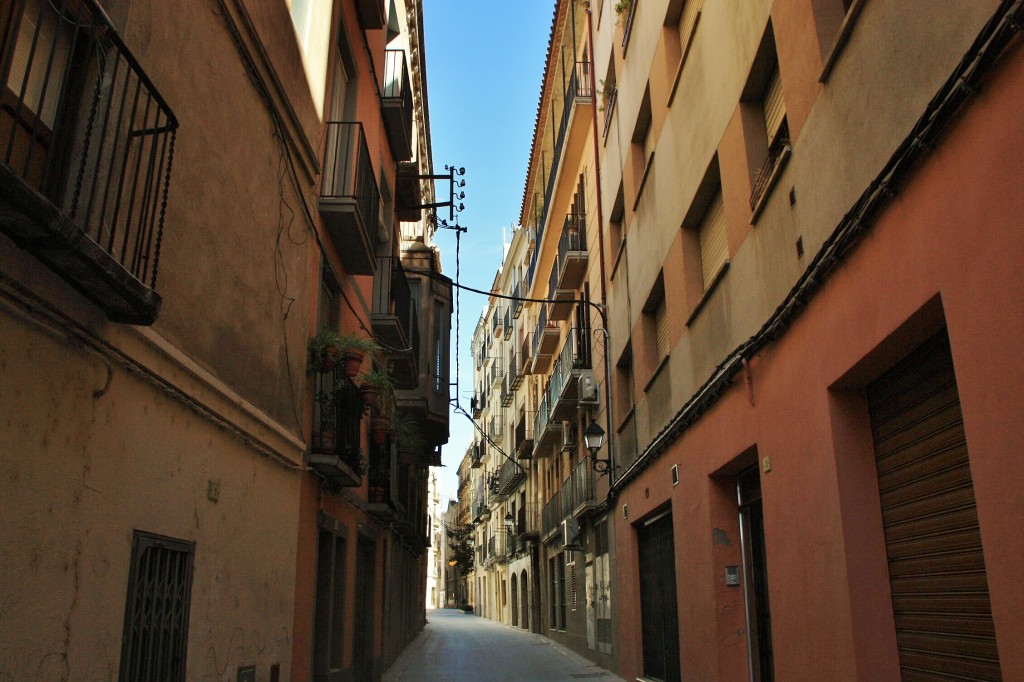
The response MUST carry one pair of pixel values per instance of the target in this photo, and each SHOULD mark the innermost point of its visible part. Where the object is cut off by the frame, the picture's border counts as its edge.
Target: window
(643, 145)
(609, 93)
(681, 20)
(763, 105)
(562, 606)
(156, 611)
(657, 339)
(441, 335)
(714, 244)
(834, 20)
(661, 329)
(616, 233)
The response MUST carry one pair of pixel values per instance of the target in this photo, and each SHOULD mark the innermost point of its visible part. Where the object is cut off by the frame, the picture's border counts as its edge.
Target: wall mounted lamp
(593, 440)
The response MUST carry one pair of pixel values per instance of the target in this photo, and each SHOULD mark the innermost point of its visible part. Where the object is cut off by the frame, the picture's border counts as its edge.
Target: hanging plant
(328, 349)
(377, 387)
(379, 426)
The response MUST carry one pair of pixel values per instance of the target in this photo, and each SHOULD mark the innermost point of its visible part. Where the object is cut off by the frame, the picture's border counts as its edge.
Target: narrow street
(457, 646)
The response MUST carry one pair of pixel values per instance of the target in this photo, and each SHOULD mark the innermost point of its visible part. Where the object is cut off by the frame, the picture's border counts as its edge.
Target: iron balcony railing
(542, 323)
(575, 355)
(517, 304)
(523, 439)
(527, 521)
(540, 421)
(610, 97)
(573, 237)
(495, 322)
(508, 321)
(580, 490)
(87, 131)
(776, 152)
(337, 414)
(510, 475)
(397, 104)
(515, 371)
(392, 296)
(348, 178)
(551, 515)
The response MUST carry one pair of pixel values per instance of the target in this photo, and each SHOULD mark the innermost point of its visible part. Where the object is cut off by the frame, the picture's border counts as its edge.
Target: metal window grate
(156, 612)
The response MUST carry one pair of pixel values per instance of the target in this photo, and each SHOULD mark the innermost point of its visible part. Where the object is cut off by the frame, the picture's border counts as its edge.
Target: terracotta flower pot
(329, 358)
(352, 362)
(370, 394)
(379, 429)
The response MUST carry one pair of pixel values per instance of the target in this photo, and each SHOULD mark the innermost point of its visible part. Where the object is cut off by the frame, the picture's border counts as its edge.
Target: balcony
(545, 341)
(511, 382)
(561, 300)
(497, 323)
(382, 493)
(86, 143)
(546, 432)
(526, 357)
(551, 518)
(572, 252)
(517, 305)
(396, 104)
(774, 163)
(516, 370)
(349, 197)
(563, 385)
(394, 321)
(510, 476)
(527, 523)
(478, 403)
(337, 415)
(408, 192)
(578, 491)
(523, 440)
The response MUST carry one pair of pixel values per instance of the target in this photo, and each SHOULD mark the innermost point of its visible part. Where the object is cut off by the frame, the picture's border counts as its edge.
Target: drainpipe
(600, 253)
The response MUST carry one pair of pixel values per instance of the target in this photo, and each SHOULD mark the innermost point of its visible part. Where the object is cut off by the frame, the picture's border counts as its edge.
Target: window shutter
(661, 329)
(774, 107)
(687, 20)
(714, 247)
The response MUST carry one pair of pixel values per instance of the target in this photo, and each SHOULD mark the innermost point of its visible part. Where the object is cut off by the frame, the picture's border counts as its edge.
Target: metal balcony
(546, 433)
(545, 341)
(507, 394)
(527, 523)
(408, 191)
(551, 518)
(572, 252)
(497, 323)
(394, 322)
(516, 370)
(508, 321)
(561, 300)
(578, 492)
(510, 476)
(563, 385)
(334, 444)
(517, 305)
(510, 383)
(382, 493)
(523, 440)
(86, 143)
(396, 104)
(349, 198)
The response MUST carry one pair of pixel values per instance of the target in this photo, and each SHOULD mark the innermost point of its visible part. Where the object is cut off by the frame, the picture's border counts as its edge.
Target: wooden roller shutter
(714, 244)
(661, 329)
(940, 597)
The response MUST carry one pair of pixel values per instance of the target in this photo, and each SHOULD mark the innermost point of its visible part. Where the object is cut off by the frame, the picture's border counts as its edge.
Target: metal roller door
(658, 605)
(940, 597)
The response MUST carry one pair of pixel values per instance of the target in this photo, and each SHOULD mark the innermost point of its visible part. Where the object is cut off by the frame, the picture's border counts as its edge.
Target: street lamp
(593, 440)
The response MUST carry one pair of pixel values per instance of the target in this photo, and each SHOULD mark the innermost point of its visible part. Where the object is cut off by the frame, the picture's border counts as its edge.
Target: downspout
(600, 252)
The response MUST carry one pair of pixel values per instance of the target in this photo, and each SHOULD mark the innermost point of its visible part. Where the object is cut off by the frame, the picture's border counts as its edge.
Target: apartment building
(546, 557)
(191, 192)
(813, 295)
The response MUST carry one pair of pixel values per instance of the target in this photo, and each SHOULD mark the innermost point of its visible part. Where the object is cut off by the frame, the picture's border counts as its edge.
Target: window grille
(156, 613)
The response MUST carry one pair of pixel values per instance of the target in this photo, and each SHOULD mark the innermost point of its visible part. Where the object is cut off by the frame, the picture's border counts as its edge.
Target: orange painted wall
(946, 250)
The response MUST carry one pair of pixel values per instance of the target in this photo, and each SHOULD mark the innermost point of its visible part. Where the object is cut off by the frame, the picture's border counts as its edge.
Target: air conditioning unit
(568, 436)
(571, 534)
(588, 390)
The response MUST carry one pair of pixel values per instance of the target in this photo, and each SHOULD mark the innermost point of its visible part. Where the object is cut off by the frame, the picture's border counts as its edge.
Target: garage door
(940, 595)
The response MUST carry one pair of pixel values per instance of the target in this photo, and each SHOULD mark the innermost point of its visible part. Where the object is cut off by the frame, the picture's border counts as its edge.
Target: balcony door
(37, 45)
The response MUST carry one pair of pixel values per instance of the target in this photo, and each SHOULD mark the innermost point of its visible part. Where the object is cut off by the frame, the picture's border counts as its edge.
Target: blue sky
(484, 66)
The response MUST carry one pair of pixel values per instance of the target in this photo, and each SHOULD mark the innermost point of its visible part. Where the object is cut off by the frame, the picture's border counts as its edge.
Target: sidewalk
(456, 647)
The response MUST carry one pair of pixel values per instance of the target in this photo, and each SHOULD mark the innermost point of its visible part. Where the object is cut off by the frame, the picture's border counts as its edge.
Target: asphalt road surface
(455, 646)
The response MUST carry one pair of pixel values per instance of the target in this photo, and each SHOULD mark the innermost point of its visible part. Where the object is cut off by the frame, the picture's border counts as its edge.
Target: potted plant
(374, 384)
(409, 437)
(328, 349)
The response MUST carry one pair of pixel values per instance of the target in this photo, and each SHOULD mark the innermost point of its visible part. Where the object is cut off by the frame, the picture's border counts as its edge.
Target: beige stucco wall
(81, 471)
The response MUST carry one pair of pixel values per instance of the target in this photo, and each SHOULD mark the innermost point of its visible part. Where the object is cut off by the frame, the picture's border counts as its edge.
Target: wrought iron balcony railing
(523, 440)
(551, 517)
(349, 196)
(778, 153)
(527, 522)
(394, 321)
(579, 493)
(86, 144)
(337, 413)
(510, 475)
(396, 104)
(563, 386)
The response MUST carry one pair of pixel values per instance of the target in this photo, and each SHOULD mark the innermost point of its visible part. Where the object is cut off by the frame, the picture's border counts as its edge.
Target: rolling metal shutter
(937, 574)
(774, 106)
(714, 245)
(659, 609)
